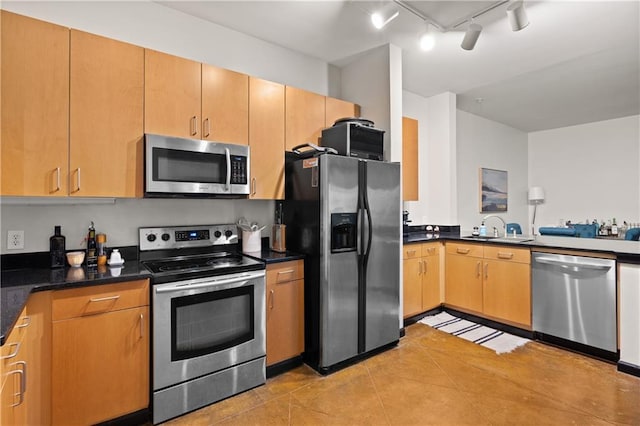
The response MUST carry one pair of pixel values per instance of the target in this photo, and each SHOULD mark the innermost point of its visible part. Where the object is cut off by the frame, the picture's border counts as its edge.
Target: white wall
(154, 26)
(437, 158)
(589, 171)
(120, 221)
(485, 143)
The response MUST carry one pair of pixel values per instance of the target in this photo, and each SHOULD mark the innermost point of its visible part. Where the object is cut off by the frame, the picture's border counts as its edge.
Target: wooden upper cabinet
(35, 107)
(337, 108)
(225, 105)
(304, 117)
(409, 159)
(266, 138)
(106, 117)
(172, 92)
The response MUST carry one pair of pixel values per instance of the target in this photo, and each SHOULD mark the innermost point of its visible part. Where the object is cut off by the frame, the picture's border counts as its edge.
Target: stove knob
(228, 233)
(217, 234)
(165, 237)
(151, 237)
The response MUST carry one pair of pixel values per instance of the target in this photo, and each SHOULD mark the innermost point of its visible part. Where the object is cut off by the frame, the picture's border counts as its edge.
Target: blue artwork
(493, 190)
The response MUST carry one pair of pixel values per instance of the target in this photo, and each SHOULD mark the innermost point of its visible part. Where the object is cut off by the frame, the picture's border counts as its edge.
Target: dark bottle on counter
(57, 248)
(92, 254)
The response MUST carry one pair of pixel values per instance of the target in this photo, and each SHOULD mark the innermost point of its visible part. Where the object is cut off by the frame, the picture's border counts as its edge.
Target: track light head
(471, 36)
(427, 39)
(517, 16)
(382, 17)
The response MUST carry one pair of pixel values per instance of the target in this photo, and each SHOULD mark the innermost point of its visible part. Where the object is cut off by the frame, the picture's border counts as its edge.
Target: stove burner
(210, 261)
(230, 261)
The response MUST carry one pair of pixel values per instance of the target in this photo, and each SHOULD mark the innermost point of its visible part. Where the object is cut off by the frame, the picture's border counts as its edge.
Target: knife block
(278, 238)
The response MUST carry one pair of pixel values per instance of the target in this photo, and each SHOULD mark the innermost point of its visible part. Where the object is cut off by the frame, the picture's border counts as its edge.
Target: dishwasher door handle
(573, 265)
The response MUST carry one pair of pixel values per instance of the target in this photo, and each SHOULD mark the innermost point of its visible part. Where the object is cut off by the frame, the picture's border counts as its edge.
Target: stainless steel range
(208, 303)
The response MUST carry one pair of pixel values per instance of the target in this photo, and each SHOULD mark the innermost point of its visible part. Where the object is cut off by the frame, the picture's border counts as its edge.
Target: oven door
(193, 167)
(205, 325)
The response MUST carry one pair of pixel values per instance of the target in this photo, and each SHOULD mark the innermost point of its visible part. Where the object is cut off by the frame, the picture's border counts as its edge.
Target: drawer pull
(14, 353)
(502, 255)
(104, 299)
(288, 271)
(411, 252)
(461, 250)
(25, 322)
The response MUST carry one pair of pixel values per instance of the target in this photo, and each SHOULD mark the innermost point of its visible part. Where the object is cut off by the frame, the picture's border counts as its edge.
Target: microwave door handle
(228, 182)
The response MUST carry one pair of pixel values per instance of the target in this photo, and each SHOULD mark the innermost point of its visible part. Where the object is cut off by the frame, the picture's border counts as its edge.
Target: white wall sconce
(536, 196)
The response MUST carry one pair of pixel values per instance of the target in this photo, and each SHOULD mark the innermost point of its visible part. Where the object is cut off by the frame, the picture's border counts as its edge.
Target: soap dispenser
(483, 230)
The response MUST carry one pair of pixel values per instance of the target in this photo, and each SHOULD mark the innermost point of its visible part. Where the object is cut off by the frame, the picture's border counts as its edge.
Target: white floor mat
(499, 341)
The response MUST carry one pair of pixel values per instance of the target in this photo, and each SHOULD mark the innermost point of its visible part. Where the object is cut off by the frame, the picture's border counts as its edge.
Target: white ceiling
(577, 61)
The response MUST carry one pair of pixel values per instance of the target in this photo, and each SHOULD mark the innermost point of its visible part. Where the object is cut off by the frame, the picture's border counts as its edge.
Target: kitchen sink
(478, 238)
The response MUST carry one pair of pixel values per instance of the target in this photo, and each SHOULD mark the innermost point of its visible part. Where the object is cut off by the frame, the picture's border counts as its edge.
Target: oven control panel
(187, 236)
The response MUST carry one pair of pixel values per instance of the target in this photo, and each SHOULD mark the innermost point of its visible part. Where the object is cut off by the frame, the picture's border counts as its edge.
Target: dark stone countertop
(626, 251)
(17, 284)
(269, 256)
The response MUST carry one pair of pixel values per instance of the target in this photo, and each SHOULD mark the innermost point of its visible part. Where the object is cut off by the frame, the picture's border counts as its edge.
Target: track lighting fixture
(382, 17)
(471, 36)
(427, 39)
(517, 15)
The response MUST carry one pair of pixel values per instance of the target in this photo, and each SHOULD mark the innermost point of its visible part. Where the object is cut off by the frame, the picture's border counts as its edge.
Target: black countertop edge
(16, 285)
(620, 256)
(269, 256)
(41, 259)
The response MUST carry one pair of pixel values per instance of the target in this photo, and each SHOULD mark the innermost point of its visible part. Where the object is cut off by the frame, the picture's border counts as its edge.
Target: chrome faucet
(504, 224)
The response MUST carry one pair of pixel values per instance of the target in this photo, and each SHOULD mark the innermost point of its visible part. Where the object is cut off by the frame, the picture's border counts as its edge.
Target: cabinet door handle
(420, 268)
(78, 180)
(14, 353)
(425, 266)
(502, 255)
(57, 179)
(23, 380)
(461, 250)
(206, 128)
(272, 296)
(25, 322)
(104, 299)
(486, 270)
(253, 186)
(478, 269)
(193, 125)
(141, 326)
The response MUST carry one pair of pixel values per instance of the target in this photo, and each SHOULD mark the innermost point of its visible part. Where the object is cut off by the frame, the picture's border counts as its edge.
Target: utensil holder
(251, 241)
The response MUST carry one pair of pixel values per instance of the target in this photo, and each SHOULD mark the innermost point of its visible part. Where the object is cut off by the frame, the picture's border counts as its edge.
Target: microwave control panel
(239, 169)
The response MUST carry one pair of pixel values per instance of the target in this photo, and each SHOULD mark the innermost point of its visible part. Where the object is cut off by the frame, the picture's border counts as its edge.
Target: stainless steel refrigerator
(343, 214)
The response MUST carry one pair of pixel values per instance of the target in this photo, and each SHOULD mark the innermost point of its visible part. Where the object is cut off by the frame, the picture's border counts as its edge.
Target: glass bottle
(92, 258)
(57, 248)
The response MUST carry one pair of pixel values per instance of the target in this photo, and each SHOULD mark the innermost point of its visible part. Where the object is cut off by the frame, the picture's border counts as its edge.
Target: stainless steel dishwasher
(574, 298)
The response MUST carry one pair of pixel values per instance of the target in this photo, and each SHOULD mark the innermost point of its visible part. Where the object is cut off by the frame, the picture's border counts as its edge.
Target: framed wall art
(493, 191)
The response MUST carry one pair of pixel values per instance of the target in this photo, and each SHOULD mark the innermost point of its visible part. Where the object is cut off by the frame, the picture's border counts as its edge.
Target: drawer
(509, 253)
(93, 300)
(411, 250)
(11, 351)
(470, 250)
(430, 249)
(286, 271)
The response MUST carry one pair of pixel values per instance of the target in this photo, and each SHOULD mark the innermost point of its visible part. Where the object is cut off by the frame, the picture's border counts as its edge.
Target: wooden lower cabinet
(489, 280)
(100, 359)
(421, 278)
(285, 311)
(25, 366)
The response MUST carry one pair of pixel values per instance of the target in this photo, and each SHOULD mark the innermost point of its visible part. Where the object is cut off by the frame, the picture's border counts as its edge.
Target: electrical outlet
(15, 240)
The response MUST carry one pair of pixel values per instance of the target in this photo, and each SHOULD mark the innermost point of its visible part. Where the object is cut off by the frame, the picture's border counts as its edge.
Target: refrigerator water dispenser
(344, 227)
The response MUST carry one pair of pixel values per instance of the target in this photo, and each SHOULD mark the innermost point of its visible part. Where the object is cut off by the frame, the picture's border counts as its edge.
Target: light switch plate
(15, 240)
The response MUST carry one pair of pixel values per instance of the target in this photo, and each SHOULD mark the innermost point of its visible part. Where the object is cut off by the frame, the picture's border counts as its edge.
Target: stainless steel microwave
(187, 167)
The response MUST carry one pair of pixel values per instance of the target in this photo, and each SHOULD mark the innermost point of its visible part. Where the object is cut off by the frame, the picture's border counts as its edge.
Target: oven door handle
(212, 283)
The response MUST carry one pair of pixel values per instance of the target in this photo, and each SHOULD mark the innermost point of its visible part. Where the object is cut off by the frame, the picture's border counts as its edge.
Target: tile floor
(435, 378)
